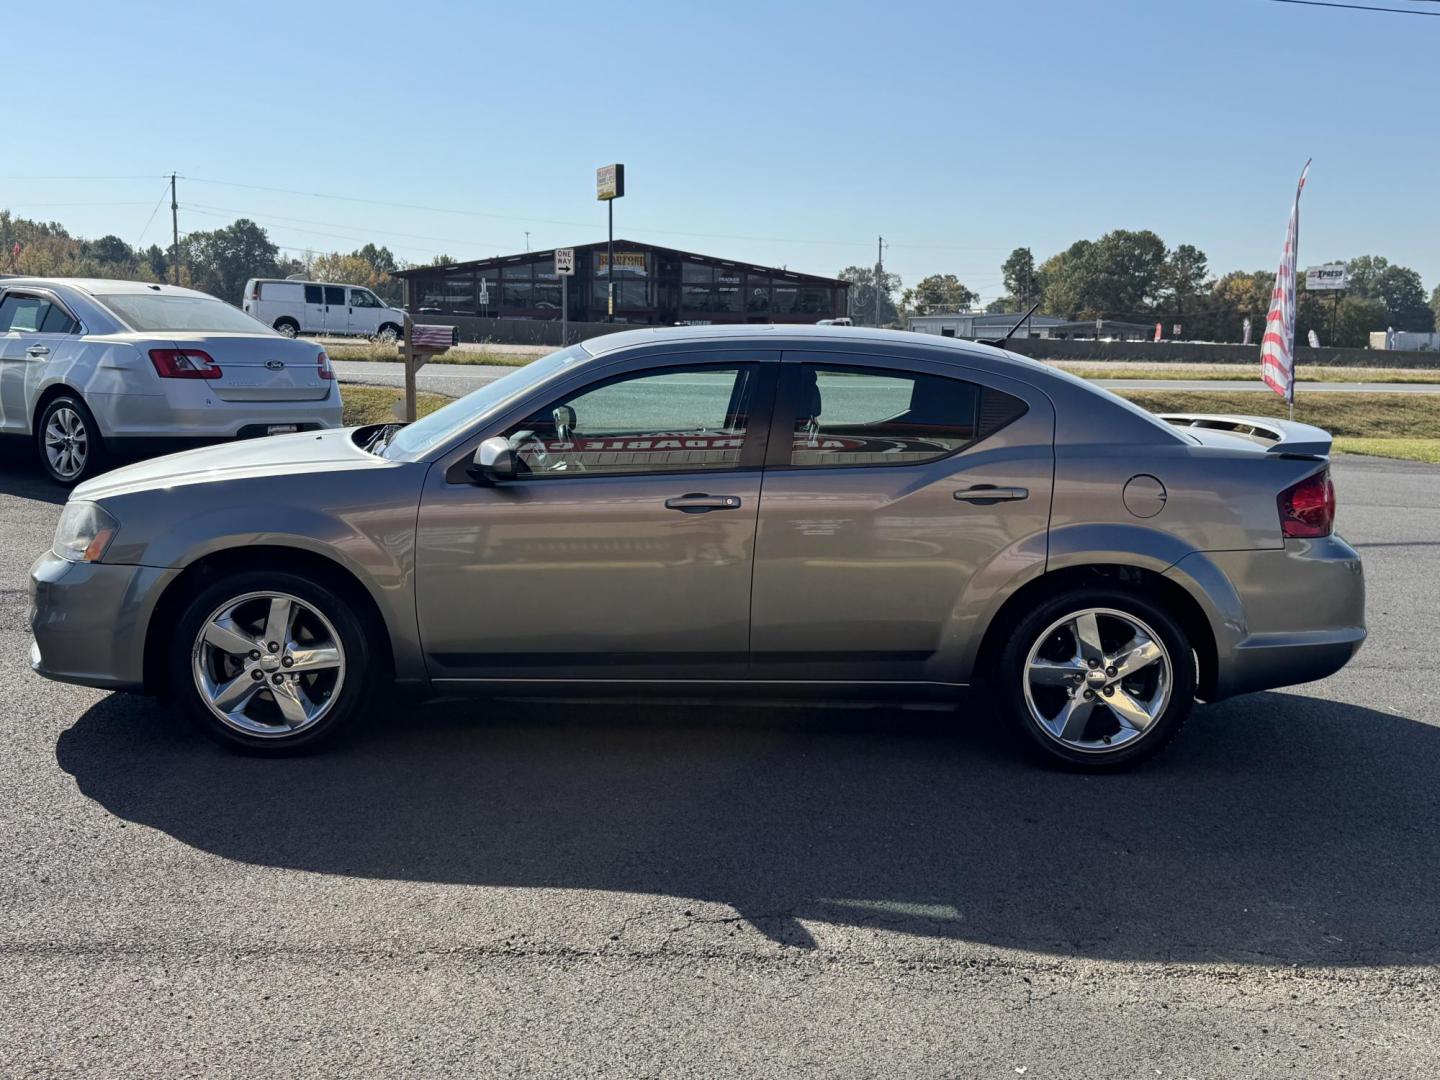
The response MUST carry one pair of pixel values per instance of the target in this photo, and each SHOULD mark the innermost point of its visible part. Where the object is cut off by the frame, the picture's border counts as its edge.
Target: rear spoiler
(1284, 437)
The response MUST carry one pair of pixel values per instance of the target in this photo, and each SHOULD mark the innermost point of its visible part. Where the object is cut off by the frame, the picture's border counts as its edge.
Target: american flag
(1277, 346)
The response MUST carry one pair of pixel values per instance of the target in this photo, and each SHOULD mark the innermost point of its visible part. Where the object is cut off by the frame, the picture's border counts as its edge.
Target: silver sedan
(754, 510)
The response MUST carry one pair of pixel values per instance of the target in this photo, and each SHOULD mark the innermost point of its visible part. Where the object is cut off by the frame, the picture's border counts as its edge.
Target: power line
(151, 218)
(1357, 7)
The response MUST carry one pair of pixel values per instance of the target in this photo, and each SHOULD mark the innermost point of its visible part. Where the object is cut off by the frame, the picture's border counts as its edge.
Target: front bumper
(89, 620)
(1280, 616)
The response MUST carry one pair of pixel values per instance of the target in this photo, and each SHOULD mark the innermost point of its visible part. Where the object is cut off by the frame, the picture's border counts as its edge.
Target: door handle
(985, 494)
(38, 350)
(699, 503)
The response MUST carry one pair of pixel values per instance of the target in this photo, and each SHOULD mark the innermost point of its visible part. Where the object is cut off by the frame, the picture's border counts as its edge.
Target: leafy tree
(1183, 276)
(938, 292)
(1116, 276)
(219, 262)
(1435, 304)
(1021, 280)
(369, 266)
(155, 261)
(999, 306)
(862, 295)
(111, 249)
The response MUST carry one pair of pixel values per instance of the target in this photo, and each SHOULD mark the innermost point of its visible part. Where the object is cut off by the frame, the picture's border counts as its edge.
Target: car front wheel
(271, 662)
(1098, 679)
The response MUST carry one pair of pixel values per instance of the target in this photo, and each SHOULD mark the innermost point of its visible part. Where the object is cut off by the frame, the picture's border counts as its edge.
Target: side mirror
(494, 462)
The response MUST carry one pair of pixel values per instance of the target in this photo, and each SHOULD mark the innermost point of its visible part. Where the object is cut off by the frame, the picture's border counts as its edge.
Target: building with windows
(653, 285)
(982, 325)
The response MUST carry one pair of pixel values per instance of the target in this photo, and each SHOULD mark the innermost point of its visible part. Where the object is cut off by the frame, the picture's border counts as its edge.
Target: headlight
(84, 532)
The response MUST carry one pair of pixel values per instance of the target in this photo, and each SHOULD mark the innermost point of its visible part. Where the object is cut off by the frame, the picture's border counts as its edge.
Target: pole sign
(1328, 276)
(609, 182)
(565, 261)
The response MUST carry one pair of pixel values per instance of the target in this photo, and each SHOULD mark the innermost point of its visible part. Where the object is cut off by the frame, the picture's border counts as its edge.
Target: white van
(320, 307)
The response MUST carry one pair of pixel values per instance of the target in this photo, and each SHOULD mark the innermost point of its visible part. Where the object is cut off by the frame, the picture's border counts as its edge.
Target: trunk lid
(260, 367)
(1285, 438)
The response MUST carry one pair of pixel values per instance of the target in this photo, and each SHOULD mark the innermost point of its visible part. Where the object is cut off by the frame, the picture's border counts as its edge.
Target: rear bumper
(191, 412)
(1280, 616)
(89, 620)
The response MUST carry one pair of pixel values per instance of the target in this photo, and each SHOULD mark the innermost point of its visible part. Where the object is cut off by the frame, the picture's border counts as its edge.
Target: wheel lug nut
(1109, 691)
(277, 678)
(1093, 663)
(288, 661)
(257, 674)
(1110, 671)
(1089, 695)
(274, 646)
(254, 654)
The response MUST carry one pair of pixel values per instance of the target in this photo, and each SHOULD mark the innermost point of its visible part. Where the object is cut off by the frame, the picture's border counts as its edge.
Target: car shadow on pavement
(21, 477)
(1280, 829)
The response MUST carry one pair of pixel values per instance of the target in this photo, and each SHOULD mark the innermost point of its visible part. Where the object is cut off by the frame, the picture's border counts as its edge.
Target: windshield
(151, 311)
(444, 424)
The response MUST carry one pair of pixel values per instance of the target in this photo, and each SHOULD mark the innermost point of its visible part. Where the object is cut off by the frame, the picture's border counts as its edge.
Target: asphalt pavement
(458, 379)
(688, 889)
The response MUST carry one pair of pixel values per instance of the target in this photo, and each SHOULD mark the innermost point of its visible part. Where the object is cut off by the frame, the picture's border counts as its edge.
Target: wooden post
(407, 354)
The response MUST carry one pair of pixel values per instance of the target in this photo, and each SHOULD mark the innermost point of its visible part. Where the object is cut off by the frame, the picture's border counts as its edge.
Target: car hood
(333, 450)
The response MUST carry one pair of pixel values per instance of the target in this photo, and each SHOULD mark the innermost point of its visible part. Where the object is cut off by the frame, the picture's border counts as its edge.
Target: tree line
(217, 261)
(1132, 276)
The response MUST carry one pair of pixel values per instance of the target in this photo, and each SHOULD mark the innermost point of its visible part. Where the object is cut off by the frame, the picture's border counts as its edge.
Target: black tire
(352, 693)
(67, 413)
(287, 327)
(1037, 630)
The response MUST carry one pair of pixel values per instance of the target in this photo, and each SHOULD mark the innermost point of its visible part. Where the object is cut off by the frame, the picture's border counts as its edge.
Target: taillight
(323, 363)
(184, 364)
(1308, 508)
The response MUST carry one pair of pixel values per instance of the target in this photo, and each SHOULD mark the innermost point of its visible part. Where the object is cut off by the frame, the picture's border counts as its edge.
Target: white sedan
(90, 366)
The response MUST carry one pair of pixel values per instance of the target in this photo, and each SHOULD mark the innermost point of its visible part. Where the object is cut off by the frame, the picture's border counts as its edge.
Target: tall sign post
(1333, 278)
(565, 267)
(609, 186)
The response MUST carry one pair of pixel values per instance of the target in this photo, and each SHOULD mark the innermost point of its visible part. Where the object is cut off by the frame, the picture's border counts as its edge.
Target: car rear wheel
(287, 327)
(1098, 679)
(68, 441)
(271, 662)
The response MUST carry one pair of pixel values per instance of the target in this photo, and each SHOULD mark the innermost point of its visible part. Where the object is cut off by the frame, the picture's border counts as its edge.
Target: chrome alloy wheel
(67, 443)
(268, 664)
(1097, 680)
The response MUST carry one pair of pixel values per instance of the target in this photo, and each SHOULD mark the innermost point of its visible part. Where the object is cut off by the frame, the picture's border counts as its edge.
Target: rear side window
(335, 295)
(314, 294)
(847, 416)
(25, 314)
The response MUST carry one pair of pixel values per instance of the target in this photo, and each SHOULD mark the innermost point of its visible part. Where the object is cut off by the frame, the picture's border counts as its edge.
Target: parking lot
(702, 890)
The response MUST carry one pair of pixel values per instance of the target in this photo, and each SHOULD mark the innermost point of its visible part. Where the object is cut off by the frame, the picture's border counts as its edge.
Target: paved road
(457, 379)
(573, 890)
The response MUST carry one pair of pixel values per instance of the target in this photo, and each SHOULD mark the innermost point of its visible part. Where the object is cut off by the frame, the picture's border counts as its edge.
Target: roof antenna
(999, 342)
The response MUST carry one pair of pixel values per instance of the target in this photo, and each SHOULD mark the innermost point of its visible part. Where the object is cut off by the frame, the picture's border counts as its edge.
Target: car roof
(108, 286)
(781, 336)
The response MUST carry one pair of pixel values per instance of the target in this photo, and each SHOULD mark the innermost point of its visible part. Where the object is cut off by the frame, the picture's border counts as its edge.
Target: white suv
(91, 364)
(318, 307)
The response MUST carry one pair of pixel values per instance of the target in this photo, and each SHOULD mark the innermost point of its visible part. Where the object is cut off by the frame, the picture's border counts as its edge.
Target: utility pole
(879, 276)
(527, 240)
(175, 231)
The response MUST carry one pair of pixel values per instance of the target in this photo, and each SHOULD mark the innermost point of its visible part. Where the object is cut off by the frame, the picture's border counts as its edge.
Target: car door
(37, 333)
(313, 321)
(625, 548)
(337, 310)
(364, 312)
(898, 493)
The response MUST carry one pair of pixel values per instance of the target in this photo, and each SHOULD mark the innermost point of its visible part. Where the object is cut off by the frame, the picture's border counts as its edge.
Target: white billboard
(1329, 276)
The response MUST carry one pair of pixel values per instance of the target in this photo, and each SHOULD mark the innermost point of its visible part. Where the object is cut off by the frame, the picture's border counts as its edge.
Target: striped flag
(1277, 346)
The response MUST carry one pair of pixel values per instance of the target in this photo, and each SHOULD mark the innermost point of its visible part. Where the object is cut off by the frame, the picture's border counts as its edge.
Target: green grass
(1216, 373)
(378, 351)
(376, 404)
(1407, 449)
(1387, 425)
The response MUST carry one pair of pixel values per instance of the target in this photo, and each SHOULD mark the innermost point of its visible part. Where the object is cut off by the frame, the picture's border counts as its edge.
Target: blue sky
(785, 132)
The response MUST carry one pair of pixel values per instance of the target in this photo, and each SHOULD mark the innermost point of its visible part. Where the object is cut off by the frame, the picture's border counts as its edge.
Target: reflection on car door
(624, 550)
(873, 539)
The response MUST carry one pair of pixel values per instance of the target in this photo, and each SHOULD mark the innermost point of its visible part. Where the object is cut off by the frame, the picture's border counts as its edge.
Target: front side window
(876, 416)
(657, 421)
(361, 298)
